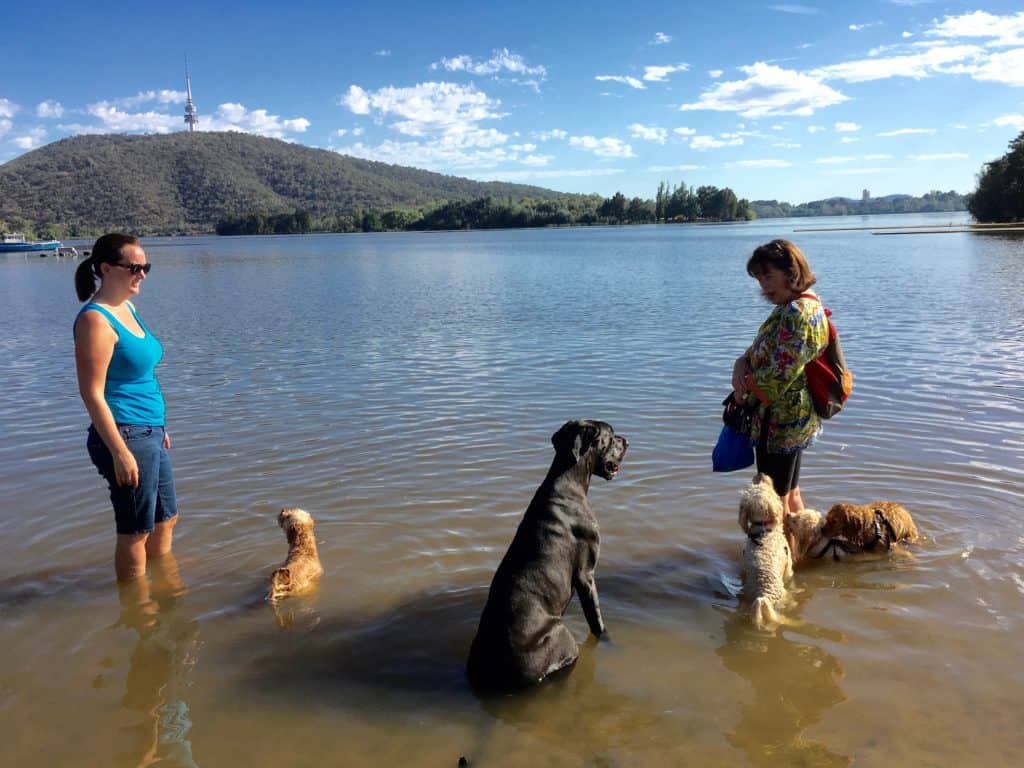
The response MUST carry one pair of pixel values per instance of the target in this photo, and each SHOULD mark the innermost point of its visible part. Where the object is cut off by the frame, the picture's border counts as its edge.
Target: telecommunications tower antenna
(191, 114)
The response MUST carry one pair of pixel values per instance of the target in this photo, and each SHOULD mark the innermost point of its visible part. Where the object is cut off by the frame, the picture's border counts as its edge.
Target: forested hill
(187, 182)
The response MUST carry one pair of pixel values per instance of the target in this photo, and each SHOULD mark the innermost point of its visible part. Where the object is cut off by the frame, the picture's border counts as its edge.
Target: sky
(793, 101)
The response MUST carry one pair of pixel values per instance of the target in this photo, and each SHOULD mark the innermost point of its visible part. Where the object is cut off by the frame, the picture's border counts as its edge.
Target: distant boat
(17, 242)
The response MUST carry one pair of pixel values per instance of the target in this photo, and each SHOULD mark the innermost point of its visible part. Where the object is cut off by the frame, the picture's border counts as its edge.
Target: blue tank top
(132, 391)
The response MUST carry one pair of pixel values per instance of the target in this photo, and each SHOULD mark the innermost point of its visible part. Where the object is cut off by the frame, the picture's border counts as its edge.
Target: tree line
(1000, 193)
(678, 204)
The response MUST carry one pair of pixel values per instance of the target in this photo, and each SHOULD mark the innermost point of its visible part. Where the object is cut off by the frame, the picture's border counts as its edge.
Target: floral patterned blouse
(792, 336)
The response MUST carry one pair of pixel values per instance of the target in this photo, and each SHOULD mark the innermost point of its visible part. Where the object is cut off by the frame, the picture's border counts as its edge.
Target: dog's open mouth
(611, 469)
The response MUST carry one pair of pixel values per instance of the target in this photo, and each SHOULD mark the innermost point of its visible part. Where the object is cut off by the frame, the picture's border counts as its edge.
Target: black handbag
(739, 418)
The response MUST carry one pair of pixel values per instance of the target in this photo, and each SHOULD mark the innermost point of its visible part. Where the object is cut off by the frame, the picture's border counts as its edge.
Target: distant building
(191, 113)
(865, 196)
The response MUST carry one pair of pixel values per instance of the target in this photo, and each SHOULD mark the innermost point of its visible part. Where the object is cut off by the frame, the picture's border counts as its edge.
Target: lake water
(403, 388)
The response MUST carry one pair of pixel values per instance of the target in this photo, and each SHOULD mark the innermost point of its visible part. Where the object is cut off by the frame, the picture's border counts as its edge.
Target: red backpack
(828, 377)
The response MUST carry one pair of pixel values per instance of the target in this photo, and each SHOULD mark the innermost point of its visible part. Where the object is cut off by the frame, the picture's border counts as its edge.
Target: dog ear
(574, 437)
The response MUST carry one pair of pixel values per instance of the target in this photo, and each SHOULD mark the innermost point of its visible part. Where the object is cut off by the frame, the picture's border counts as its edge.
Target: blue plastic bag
(732, 451)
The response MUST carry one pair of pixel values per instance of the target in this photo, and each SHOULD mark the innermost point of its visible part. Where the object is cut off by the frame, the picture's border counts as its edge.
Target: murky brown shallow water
(403, 388)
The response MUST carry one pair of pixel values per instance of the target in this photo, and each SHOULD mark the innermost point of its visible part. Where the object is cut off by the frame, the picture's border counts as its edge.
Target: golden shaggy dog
(869, 527)
(805, 534)
(767, 561)
(301, 568)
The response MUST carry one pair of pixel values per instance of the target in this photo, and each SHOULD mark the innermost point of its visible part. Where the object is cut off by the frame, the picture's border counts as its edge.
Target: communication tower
(191, 114)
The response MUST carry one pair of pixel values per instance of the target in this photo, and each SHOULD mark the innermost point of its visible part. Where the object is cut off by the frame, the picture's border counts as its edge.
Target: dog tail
(764, 614)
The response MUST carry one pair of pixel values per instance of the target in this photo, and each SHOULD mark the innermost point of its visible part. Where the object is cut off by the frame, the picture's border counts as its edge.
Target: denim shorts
(138, 509)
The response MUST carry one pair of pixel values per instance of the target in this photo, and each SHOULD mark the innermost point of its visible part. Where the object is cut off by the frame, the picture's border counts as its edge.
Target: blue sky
(788, 100)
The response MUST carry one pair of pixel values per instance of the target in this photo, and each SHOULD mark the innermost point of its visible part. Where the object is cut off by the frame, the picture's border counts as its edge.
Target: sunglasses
(136, 268)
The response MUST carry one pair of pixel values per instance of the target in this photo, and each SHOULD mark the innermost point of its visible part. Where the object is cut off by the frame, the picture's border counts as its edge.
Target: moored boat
(17, 242)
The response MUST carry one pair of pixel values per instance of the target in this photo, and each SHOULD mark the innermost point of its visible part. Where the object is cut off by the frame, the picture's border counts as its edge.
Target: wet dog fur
(302, 568)
(521, 638)
(767, 561)
(869, 527)
(804, 534)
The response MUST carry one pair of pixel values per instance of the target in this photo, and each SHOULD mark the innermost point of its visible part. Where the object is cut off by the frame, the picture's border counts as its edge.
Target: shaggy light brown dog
(301, 568)
(869, 527)
(767, 561)
(804, 534)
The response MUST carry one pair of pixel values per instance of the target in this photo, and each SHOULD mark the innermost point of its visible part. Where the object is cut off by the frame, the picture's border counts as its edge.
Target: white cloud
(1006, 68)
(632, 82)
(235, 117)
(358, 131)
(941, 156)
(163, 96)
(555, 133)
(605, 147)
(714, 74)
(768, 90)
(341, 132)
(905, 35)
(228, 117)
(648, 133)
(800, 10)
(660, 74)
(30, 140)
(537, 160)
(846, 127)
(671, 168)
(502, 62)
(859, 27)
(702, 143)
(382, 52)
(915, 65)
(660, 38)
(835, 160)
(49, 109)
(815, 129)
(115, 120)
(767, 163)
(786, 145)
(684, 131)
(8, 108)
(1003, 30)
(849, 139)
(907, 132)
(5, 126)
(1015, 121)
(446, 110)
(877, 157)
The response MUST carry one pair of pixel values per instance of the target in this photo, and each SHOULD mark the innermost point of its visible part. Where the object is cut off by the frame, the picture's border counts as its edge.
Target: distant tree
(1000, 193)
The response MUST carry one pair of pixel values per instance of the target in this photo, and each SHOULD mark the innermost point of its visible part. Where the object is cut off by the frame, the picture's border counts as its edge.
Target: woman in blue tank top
(116, 357)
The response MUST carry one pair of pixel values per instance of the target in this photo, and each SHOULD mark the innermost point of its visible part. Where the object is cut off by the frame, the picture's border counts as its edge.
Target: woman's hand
(126, 469)
(167, 440)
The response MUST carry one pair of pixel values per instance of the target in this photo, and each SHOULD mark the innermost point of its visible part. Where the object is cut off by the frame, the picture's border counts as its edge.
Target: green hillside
(186, 182)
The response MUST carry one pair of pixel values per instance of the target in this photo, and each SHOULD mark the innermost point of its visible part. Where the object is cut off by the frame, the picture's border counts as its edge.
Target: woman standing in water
(116, 357)
(771, 371)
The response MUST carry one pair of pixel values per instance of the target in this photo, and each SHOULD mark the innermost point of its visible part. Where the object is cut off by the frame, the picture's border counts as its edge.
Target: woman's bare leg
(792, 501)
(130, 556)
(162, 538)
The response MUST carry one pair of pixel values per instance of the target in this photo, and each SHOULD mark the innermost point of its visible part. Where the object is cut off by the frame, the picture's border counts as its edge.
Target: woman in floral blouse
(771, 371)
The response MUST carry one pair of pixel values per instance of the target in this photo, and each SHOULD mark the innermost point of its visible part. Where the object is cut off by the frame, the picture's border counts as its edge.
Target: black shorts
(782, 468)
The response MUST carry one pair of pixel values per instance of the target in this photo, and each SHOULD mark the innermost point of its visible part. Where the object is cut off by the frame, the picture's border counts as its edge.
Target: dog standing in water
(767, 561)
(521, 638)
(301, 568)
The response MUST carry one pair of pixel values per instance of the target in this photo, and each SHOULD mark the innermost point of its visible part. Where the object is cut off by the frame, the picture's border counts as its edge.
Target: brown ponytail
(107, 250)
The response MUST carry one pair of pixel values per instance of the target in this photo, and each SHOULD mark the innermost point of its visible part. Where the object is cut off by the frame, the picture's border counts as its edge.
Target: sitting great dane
(521, 638)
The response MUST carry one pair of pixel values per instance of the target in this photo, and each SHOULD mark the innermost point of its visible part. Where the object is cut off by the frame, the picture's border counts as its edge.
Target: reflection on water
(794, 683)
(160, 668)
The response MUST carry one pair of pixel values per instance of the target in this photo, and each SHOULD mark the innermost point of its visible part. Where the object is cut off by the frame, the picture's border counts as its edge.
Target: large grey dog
(521, 638)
